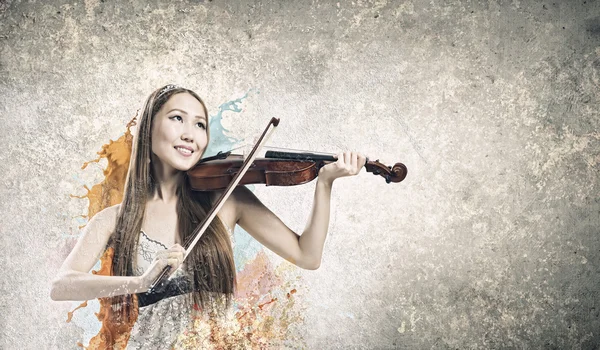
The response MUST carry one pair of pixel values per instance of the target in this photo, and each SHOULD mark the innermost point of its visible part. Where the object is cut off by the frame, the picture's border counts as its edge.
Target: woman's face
(179, 134)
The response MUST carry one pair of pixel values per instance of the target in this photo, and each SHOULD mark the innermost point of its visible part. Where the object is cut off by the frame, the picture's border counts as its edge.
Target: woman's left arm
(303, 250)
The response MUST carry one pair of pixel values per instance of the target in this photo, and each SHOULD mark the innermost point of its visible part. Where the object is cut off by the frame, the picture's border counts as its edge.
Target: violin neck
(299, 156)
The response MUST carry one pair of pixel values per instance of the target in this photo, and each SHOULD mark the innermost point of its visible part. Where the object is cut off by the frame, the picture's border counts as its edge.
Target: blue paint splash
(219, 141)
(246, 247)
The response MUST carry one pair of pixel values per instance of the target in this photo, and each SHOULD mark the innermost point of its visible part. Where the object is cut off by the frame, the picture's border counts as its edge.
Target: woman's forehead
(184, 103)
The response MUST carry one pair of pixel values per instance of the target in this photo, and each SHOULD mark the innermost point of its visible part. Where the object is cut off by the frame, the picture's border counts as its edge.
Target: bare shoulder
(230, 212)
(105, 220)
(92, 242)
(242, 195)
(108, 214)
(238, 193)
(215, 195)
(246, 204)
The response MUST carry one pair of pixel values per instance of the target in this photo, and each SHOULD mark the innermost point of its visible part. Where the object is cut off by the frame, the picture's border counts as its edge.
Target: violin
(277, 168)
(227, 171)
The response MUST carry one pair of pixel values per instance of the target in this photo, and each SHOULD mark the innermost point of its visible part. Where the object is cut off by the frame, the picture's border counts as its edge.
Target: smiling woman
(159, 211)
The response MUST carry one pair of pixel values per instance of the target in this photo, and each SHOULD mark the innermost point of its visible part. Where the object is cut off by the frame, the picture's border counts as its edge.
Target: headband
(167, 89)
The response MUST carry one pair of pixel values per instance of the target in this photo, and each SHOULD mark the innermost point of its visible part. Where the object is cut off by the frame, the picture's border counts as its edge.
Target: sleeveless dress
(159, 325)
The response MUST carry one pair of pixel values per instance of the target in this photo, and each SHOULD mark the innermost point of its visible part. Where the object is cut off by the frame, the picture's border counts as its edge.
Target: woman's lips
(184, 151)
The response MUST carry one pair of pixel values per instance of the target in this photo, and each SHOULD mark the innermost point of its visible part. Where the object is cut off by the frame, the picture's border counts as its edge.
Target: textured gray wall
(491, 242)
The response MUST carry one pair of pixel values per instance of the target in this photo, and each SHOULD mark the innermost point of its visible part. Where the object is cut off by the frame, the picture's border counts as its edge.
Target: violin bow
(199, 231)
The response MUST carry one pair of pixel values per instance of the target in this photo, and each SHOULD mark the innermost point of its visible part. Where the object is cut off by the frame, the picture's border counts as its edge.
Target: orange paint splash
(260, 306)
(71, 313)
(265, 307)
(114, 332)
(110, 191)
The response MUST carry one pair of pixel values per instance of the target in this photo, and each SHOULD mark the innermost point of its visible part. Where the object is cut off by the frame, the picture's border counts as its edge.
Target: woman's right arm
(74, 280)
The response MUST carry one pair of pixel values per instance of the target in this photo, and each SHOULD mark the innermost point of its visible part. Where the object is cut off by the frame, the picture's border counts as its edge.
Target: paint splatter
(110, 191)
(71, 313)
(264, 306)
(264, 312)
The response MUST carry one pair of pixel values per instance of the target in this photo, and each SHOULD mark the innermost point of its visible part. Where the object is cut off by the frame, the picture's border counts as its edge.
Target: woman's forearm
(79, 286)
(312, 239)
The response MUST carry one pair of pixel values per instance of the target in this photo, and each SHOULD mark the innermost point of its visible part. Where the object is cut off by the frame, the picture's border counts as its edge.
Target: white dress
(159, 325)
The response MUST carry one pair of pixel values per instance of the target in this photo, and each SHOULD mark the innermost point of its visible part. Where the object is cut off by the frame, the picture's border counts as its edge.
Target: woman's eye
(201, 125)
(176, 117)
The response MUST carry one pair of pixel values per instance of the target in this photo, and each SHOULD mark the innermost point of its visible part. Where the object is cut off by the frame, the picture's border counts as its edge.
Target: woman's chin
(181, 164)
(184, 166)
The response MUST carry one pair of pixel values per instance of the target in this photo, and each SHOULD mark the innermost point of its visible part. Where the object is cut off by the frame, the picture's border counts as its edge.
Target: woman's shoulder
(109, 212)
(106, 218)
(240, 194)
(229, 213)
(100, 227)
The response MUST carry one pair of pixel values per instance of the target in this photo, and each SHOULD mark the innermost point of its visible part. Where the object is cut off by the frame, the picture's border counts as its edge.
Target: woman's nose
(186, 136)
(186, 133)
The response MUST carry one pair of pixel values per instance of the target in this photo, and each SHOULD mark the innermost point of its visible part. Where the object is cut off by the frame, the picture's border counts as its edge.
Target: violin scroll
(396, 173)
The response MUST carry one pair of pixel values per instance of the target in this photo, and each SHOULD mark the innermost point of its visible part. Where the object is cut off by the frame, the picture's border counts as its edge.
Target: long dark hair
(210, 264)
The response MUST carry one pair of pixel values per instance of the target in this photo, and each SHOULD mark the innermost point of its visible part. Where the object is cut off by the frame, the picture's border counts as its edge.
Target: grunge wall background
(492, 241)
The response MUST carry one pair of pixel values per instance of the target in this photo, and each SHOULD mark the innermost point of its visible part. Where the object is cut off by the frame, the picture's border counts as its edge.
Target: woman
(159, 211)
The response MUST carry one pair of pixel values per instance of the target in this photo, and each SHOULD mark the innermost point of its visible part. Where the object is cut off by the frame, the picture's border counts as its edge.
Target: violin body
(218, 174)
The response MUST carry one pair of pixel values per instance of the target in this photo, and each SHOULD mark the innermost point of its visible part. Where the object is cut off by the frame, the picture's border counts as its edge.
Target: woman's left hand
(347, 164)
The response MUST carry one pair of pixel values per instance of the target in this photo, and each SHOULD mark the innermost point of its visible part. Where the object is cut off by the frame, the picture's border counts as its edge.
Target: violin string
(282, 149)
(291, 150)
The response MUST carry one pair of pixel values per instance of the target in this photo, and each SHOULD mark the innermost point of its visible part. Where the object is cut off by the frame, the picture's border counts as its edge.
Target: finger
(340, 159)
(347, 159)
(170, 264)
(174, 248)
(179, 257)
(173, 262)
(362, 160)
(179, 250)
(161, 264)
(173, 255)
(166, 254)
(354, 163)
(177, 247)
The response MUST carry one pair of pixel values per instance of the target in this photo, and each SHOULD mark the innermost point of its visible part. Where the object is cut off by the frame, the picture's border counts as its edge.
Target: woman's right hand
(172, 257)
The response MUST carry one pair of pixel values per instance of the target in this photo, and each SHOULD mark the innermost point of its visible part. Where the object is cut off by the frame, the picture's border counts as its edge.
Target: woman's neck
(165, 191)
(166, 182)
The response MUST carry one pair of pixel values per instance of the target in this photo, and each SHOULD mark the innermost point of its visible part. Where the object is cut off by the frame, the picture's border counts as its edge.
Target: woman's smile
(184, 151)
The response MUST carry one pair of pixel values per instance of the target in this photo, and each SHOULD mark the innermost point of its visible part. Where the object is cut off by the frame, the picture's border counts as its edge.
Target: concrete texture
(493, 239)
